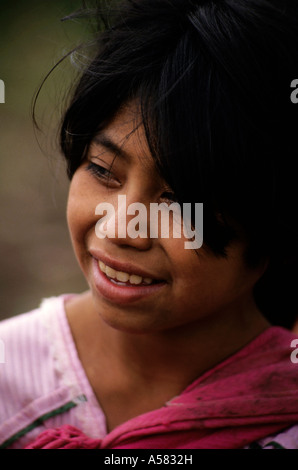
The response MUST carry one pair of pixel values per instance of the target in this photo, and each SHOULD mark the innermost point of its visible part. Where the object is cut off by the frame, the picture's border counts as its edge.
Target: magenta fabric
(249, 396)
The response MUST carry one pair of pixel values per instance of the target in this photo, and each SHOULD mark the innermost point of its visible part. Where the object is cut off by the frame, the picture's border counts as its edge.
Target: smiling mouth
(125, 279)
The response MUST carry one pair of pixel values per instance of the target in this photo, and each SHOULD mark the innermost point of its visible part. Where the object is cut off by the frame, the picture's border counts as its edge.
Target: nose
(127, 222)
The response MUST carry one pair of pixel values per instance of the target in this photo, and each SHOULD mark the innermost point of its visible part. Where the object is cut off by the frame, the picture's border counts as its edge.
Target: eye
(168, 196)
(98, 171)
(104, 175)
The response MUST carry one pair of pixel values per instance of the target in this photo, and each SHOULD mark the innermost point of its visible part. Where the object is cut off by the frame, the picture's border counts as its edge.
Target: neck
(175, 356)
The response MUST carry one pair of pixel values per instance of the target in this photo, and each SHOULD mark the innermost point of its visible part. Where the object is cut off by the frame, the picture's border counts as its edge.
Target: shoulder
(30, 381)
(21, 325)
(26, 346)
(25, 337)
(21, 336)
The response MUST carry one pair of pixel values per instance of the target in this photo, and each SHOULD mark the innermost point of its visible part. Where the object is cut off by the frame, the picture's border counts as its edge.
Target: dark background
(35, 251)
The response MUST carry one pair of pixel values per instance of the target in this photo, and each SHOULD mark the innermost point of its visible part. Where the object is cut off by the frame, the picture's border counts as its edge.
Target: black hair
(212, 78)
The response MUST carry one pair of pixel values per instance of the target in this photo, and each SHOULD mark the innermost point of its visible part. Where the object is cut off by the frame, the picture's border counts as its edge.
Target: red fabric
(250, 395)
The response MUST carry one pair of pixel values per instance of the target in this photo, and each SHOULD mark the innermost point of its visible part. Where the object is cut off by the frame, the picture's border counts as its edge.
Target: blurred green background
(36, 255)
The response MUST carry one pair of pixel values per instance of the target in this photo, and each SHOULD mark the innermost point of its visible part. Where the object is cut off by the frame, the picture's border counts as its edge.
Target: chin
(127, 320)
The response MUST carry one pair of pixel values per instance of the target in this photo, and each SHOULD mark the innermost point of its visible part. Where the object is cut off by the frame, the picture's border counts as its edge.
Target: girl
(185, 101)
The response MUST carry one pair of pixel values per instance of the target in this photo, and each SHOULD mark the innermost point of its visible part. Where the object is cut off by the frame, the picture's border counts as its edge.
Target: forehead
(125, 136)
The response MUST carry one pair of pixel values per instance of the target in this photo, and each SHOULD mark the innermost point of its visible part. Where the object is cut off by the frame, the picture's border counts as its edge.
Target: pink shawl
(250, 395)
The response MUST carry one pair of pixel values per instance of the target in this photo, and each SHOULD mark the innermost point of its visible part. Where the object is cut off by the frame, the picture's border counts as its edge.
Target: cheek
(203, 281)
(81, 216)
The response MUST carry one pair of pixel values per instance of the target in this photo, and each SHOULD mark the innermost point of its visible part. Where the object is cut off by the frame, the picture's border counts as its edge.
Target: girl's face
(146, 284)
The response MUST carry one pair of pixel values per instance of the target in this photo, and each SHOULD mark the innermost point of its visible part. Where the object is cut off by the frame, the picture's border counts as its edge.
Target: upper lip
(123, 266)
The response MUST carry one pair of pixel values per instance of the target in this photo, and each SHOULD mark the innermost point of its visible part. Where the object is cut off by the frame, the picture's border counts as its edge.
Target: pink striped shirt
(42, 381)
(43, 384)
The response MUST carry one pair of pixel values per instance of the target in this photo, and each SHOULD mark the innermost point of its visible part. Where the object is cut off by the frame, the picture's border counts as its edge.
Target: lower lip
(119, 293)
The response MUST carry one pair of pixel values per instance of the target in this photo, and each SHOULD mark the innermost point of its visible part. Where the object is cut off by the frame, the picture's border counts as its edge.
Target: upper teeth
(122, 276)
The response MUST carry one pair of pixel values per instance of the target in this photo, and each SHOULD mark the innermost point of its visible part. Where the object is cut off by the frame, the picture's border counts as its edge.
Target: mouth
(123, 278)
(122, 283)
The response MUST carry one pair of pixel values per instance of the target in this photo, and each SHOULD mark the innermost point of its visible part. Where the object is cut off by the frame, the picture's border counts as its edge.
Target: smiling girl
(184, 101)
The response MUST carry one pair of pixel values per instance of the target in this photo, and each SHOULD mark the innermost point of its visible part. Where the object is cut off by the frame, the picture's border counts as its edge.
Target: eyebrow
(104, 140)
